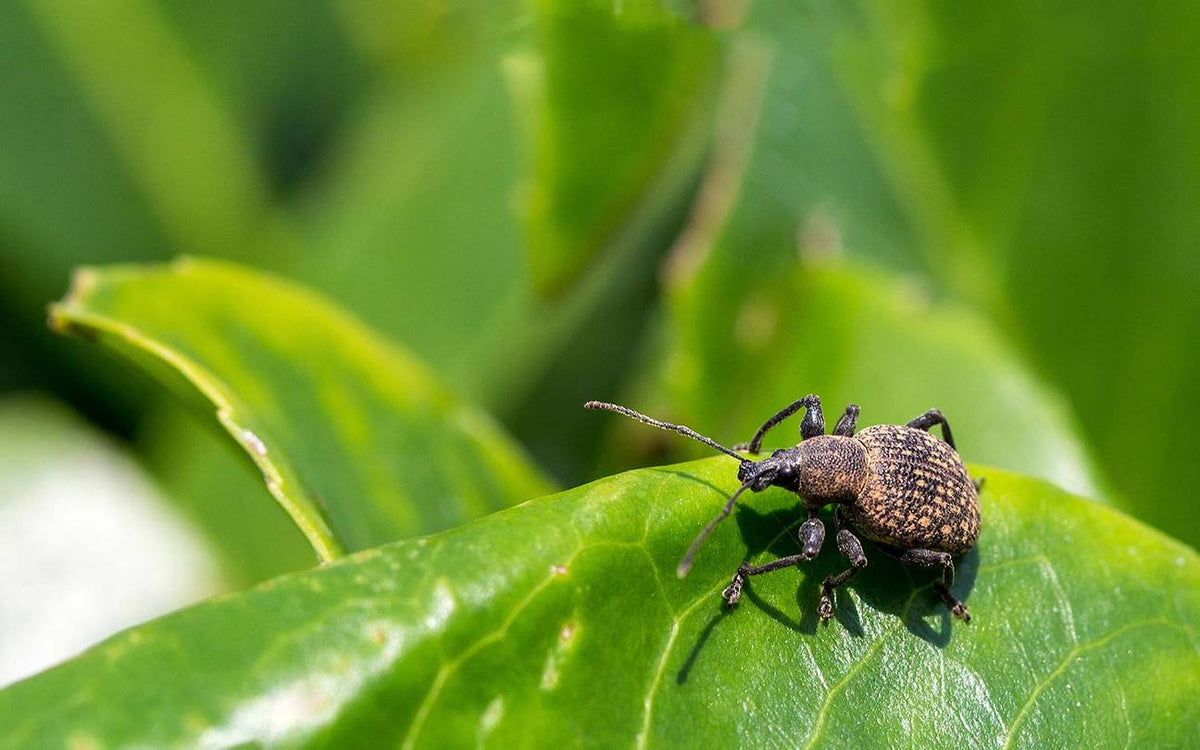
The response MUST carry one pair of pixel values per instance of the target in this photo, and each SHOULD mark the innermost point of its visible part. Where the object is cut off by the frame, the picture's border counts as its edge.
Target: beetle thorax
(833, 469)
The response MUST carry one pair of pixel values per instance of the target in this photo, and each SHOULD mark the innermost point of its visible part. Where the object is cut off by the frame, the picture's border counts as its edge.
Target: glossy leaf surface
(355, 438)
(561, 621)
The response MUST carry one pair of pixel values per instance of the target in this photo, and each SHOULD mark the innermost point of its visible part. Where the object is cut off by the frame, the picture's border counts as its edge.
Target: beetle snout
(745, 470)
(758, 475)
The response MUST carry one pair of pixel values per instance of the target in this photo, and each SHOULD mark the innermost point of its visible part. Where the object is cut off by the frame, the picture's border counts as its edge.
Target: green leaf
(205, 189)
(561, 621)
(738, 356)
(214, 482)
(1068, 163)
(618, 91)
(355, 438)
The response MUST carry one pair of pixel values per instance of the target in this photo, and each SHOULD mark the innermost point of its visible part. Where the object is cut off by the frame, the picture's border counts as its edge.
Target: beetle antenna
(600, 405)
(685, 565)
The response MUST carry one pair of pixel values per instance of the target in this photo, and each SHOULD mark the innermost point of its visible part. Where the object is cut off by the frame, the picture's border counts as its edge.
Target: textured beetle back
(917, 494)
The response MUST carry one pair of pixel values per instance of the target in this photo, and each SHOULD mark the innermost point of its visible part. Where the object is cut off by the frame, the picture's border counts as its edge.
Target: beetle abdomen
(918, 494)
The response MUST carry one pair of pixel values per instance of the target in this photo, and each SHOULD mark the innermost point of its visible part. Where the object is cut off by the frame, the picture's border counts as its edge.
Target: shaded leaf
(1076, 165)
(356, 439)
(617, 91)
(561, 621)
(211, 479)
(418, 158)
(205, 188)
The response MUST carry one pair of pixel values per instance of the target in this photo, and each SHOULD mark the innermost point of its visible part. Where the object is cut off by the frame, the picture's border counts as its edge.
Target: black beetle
(896, 485)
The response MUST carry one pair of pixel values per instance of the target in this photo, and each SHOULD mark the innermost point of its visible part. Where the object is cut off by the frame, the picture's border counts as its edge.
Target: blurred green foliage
(706, 208)
(402, 158)
(437, 168)
(310, 395)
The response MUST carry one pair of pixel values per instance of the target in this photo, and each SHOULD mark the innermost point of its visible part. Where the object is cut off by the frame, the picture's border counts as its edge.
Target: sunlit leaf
(562, 622)
(355, 438)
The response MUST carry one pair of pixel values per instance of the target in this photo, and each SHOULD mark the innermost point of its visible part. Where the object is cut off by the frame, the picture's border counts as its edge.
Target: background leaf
(562, 620)
(851, 336)
(215, 483)
(649, 73)
(356, 440)
(1038, 180)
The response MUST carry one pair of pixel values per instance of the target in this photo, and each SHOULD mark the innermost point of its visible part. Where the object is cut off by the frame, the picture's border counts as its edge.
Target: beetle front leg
(846, 424)
(812, 425)
(852, 550)
(925, 558)
(812, 535)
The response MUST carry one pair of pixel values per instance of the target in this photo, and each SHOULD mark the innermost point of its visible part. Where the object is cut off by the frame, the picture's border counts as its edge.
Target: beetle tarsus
(957, 608)
(825, 606)
(929, 419)
(733, 592)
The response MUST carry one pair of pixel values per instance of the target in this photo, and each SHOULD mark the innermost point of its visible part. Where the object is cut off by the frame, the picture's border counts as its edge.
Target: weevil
(896, 485)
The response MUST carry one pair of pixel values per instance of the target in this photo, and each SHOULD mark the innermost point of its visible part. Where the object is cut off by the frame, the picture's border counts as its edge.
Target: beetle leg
(929, 419)
(812, 535)
(979, 483)
(812, 425)
(845, 425)
(925, 558)
(852, 550)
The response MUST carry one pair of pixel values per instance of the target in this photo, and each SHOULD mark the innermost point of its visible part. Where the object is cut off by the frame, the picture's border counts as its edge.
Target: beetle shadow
(889, 585)
(688, 476)
(886, 585)
(705, 634)
(766, 527)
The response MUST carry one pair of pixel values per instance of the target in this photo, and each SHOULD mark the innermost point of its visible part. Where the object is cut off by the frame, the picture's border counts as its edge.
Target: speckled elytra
(896, 485)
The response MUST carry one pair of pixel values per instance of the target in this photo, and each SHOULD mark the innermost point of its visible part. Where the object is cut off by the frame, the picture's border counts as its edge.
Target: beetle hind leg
(926, 558)
(929, 419)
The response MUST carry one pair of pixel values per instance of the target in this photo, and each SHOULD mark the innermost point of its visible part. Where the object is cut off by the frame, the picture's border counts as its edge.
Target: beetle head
(780, 469)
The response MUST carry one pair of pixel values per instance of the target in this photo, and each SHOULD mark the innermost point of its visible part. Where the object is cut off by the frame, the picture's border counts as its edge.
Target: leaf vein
(448, 668)
(1073, 654)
